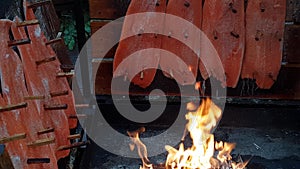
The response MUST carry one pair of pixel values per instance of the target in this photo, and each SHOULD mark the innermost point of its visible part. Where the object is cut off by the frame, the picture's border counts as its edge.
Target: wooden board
(25, 120)
(139, 42)
(104, 9)
(223, 24)
(264, 40)
(291, 44)
(191, 11)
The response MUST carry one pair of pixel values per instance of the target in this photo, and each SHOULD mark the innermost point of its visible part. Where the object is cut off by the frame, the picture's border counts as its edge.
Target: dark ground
(268, 135)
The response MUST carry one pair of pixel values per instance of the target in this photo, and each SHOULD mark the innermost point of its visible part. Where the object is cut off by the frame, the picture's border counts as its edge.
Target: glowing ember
(201, 154)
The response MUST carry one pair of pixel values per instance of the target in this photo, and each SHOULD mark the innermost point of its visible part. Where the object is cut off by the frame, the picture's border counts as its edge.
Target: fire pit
(264, 135)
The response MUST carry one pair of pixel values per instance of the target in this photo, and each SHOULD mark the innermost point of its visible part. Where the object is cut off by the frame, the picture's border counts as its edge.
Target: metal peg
(56, 107)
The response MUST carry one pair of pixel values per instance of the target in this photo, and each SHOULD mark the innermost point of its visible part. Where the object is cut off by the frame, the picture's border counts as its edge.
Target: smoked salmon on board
(39, 84)
(25, 120)
(137, 26)
(50, 70)
(187, 61)
(224, 25)
(265, 20)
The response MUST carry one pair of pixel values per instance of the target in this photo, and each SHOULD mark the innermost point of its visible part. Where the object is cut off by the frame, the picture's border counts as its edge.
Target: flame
(142, 150)
(201, 154)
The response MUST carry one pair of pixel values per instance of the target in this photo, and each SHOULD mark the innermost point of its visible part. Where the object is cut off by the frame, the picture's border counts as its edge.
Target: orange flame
(200, 155)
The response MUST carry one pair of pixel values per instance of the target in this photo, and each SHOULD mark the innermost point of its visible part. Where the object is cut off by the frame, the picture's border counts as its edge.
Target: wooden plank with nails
(13, 138)
(13, 107)
(18, 42)
(28, 23)
(41, 142)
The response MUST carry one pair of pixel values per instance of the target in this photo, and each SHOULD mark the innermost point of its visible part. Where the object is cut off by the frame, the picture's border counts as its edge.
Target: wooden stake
(74, 145)
(75, 116)
(18, 42)
(12, 138)
(56, 107)
(45, 60)
(65, 74)
(34, 97)
(74, 136)
(41, 142)
(60, 93)
(44, 131)
(13, 107)
(82, 105)
(38, 4)
(27, 23)
(38, 160)
(54, 41)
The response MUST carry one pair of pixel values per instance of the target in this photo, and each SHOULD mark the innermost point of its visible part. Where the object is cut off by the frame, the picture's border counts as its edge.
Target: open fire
(205, 152)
